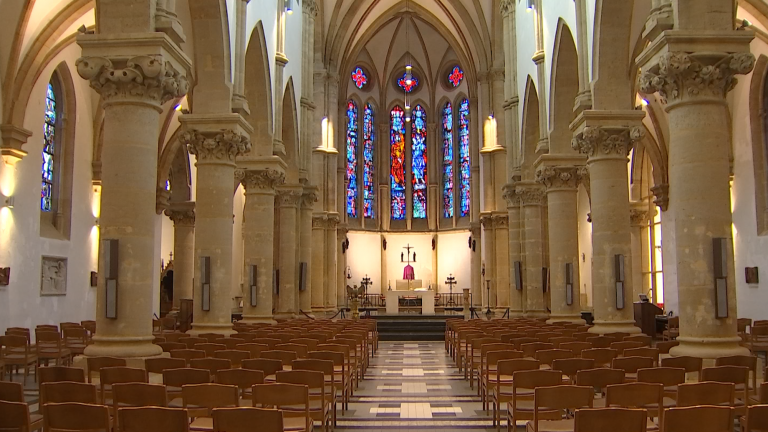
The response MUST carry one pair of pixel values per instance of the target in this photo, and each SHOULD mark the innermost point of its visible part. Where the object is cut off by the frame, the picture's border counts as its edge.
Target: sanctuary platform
(411, 327)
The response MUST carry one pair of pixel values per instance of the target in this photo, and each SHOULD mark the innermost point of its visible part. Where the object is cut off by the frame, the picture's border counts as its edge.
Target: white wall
(585, 248)
(453, 257)
(364, 258)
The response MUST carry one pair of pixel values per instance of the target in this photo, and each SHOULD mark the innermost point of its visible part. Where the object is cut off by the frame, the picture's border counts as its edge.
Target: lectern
(645, 317)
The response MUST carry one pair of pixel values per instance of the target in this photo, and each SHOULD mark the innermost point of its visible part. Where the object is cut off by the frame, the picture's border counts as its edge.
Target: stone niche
(53, 276)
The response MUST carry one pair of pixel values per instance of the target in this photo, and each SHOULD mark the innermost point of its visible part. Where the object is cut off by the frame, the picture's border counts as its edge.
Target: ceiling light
(530, 5)
(289, 6)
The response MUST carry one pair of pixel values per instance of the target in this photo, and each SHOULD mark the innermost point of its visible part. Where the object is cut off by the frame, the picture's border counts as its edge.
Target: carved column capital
(333, 221)
(319, 221)
(531, 196)
(263, 180)
(486, 221)
(510, 195)
(310, 8)
(681, 76)
(309, 197)
(148, 78)
(224, 145)
(501, 221)
(638, 217)
(507, 7)
(181, 217)
(559, 177)
(607, 142)
(661, 196)
(288, 197)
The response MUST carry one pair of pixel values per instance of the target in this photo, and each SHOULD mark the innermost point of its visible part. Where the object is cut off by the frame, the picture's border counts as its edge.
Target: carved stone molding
(266, 179)
(598, 141)
(680, 75)
(289, 197)
(559, 177)
(162, 198)
(584, 176)
(638, 217)
(181, 217)
(500, 221)
(486, 221)
(661, 194)
(496, 74)
(510, 196)
(310, 7)
(309, 198)
(531, 195)
(333, 221)
(319, 222)
(506, 7)
(224, 145)
(142, 77)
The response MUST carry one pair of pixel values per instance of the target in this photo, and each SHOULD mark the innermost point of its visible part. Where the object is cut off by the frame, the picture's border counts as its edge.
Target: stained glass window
(456, 76)
(405, 86)
(49, 153)
(448, 160)
(368, 182)
(351, 159)
(359, 77)
(464, 167)
(397, 160)
(419, 162)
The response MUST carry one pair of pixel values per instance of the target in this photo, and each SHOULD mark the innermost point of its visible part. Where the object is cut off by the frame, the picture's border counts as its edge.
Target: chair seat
(201, 424)
(294, 423)
(565, 425)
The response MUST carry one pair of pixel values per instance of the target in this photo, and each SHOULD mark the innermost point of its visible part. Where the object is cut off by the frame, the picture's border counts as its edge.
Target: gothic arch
(612, 87)
(758, 106)
(173, 165)
(530, 130)
(564, 89)
(258, 92)
(212, 65)
(291, 134)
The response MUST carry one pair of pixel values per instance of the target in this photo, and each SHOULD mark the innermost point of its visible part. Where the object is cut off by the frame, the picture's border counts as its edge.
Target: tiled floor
(414, 386)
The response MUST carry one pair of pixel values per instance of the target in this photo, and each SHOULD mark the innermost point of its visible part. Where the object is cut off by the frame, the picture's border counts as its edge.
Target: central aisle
(414, 386)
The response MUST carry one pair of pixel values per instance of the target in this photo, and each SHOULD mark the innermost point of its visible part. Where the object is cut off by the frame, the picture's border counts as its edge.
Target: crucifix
(451, 281)
(408, 274)
(366, 282)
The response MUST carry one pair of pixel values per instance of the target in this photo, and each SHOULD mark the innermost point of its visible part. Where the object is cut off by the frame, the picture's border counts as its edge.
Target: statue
(355, 294)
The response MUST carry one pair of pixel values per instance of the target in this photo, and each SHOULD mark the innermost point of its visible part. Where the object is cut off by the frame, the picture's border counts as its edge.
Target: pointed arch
(564, 89)
(212, 60)
(530, 130)
(291, 133)
(612, 88)
(258, 92)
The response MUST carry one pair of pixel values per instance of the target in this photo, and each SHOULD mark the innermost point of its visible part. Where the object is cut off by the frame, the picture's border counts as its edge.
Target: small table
(427, 301)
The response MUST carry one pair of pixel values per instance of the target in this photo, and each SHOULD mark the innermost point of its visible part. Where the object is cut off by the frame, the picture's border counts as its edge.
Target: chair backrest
(727, 374)
(706, 393)
(764, 391)
(699, 419)
(631, 364)
(312, 379)
(665, 346)
(11, 391)
(531, 379)
(645, 339)
(60, 373)
(494, 357)
(254, 349)
(242, 378)
(600, 341)
(625, 345)
(651, 353)
(13, 341)
(601, 356)
(610, 420)
(14, 416)
(171, 346)
(576, 347)
(210, 395)
(243, 419)
(562, 398)
(75, 417)
(212, 364)
(96, 364)
(548, 356)
(116, 375)
(139, 395)
(153, 419)
(268, 341)
(192, 341)
(209, 348)
(159, 364)
(530, 349)
(571, 366)
(336, 357)
(317, 365)
(509, 367)
(280, 395)
(211, 336)
(665, 376)
(234, 356)
(690, 364)
(311, 344)
(184, 376)
(757, 419)
(599, 378)
(268, 366)
(61, 392)
(634, 395)
(284, 356)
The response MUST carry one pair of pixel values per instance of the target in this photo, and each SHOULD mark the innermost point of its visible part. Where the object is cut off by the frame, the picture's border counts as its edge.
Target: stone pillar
(562, 182)
(258, 230)
(638, 221)
(287, 305)
(515, 249)
(133, 88)
(539, 58)
(239, 102)
(584, 98)
(607, 148)
(331, 261)
(532, 199)
(476, 263)
(308, 199)
(318, 264)
(216, 150)
(694, 86)
(489, 267)
(501, 260)
(183, 217)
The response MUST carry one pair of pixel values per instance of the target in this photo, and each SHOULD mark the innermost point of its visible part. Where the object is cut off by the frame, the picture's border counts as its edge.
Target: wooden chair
(488, 379)
(270, 342)
(209, 348)
(706, 393)
(571, 366)
(291, 399)
(673, 329)
(756, 419)
(665, 346)
(119, 375)
(187, 354)
(50, 346)
(311, 344)
(328, 370)
(138, 395)
(749, 362)
(243, 419)
(211, 364)
(690, 364)
(284, 356)
(670, 378)
(610, 420)
(63, 392)
(524, 385)
(736, 375)
(630, 366)
(268, 366)
(153, 419)
(557, 341)
(75, 339)
(70, 417)
(176, 379)
(235, 357)
(648, 396)
(15, 351)
(652, 353)
(11, 392)
(758, 339)
(60, 373)
(530, 349)
(253, 349)
(741, 328)
(502, 388)
(600, 341)
(174, 337)
(341, 373)
(15, 416)
(320, 402)
(211, 337)
(643, 338)
(599, 379)
(546, 357)
(602, 356)
(625, 345)
(699, 419)
(96, 364)
(553, 406)
(171, 346)
(576, 347)
(243, 379)
(192, 341)
(159, 364)
(201, 399)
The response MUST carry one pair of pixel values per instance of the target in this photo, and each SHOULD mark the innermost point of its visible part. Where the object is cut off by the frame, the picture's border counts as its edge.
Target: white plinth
(427, 301)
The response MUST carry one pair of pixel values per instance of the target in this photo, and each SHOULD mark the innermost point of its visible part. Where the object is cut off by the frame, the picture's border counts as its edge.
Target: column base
(200, 328)
(284, 316)
(605, 327)
(709, 348)
(515, 313)
(309, 315)
(535, 314)
(257, 319)
(123, 347)
(574, 319)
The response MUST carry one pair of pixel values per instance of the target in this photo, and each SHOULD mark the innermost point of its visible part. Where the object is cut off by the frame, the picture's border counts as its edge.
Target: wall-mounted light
(643, 102)
(531, 5)
(177, 107)
(6, 201)
(490, 116)
(96, 221)
(289, 6)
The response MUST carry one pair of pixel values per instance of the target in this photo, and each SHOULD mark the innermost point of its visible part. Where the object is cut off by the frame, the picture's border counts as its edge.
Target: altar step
(409, 328)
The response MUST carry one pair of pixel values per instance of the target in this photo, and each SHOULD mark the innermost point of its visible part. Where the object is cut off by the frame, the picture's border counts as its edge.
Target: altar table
(427, 301)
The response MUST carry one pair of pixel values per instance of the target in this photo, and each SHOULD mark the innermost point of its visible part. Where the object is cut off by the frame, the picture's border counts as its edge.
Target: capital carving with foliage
(138, 78)
(333, 221)
(510, 195)
(181, 217)
(680, 75)
(598, 141)
(289, 197)
(638, 217)
(308, 198)
(310, 7)
(530, 195)
(266, 179)
(506, 7)
(224, 145)
(559, 177)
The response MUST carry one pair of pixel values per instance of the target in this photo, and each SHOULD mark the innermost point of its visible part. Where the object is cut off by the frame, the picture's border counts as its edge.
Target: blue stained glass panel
(464, 162)
(351, 159)
(397, 161)
(49, 143)
(419, 162)
(368, 180)
(448, 160)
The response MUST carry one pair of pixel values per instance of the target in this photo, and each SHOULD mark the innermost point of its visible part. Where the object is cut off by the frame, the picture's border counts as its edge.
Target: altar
(427, 301)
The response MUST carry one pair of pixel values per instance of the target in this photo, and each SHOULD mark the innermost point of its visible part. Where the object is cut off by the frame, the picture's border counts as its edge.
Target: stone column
(308, 199)
(638, 221)
(476, 263)
(258, 230)
(318, 264)
(607, 148)
(694, 86)
(501, 260)
(239, 102)
(288, 198)
(562, 182)
(489, 254)
(331, 261)
(539, 58)
(515, 249)
(215, 151)
(532, 199)
(183, 217)
(133, 89)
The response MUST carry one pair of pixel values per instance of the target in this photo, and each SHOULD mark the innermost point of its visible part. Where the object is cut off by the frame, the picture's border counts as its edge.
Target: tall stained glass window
(368, 181)
(351, 159)
(448, 160)
(419, 162)
(397, 161)
(49, 150)
(464, 166)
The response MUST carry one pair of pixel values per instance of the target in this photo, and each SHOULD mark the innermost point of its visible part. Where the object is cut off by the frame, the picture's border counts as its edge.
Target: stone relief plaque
(53, 279)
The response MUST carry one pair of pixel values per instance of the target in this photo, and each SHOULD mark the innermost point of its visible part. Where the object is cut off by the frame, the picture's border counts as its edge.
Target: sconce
(6, 201)
(289, 6)
(94, 279)
(434, 243)
(5, 276)
(96, 222)
(482, 270)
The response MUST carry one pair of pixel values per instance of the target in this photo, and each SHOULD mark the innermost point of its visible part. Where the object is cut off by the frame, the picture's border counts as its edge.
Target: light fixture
(177, 107)
(6, 201)
(490, 116)
(289, 6)
(643, 102)
(531, 5)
